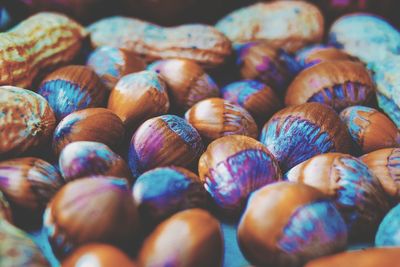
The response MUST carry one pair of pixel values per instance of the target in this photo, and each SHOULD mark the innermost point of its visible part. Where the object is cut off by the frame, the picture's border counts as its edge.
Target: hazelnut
(233, 167)
(300, 132)
(288, 224)
(388, 234)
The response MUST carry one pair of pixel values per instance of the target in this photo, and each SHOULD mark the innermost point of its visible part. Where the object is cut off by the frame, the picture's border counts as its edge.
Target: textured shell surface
(201, 43)
(284, 24)
(388, 234)
(26, 120)
(368, 37)
(42, 41)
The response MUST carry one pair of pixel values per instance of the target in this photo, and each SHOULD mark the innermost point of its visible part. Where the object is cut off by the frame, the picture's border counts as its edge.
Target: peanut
(40, 42)
(197, 42)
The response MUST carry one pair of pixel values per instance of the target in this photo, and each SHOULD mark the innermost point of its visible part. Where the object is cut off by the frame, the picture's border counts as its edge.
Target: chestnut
(98, 255)
(26, 121)
(356, 192)
(91, 124)
(300, 132)
(186, 81)
(288, 224)
(371, 257)
(233, 167)
(316, 54)
(5, 209)
(389, 230)
(260, 61)
(72, 88)
(385, 165)
(190, 238)
(216, 117)
(17, 248)
(370, 129)
(111, 64)
(83, 158)
(163, 141)
(256, 97)
(339, 84)
(139, 96)
(163, 191)
(28, 184)
(90, 210)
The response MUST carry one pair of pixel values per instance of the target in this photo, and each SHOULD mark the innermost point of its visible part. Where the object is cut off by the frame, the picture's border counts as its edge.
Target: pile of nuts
(130, 143)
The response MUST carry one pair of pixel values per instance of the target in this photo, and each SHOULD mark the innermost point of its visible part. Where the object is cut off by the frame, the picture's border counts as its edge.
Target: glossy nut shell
(98, 255)
(216, 117)
(355, 190)
(257, 98)
(163, 141)
(186, 81)
(196, 237)
(139, 96)
(26, 121)
(233, 167)
(72, 88)
(17, 248)
(5, 209)
(339, 84)
(91, 124)
(371, 257)
(161, 192)
(385, 165)
(111, 64)
(370, 129)
(83, 158)
(302, 225)
(296, 24)
(91, 210)
(388, 234)
(298, 133)
(316, 54)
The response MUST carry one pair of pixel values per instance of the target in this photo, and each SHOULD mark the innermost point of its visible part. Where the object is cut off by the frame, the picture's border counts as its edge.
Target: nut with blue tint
(339, 84)
(300, 132)
(163, 141)
(91, 124)
(83, 158)
(163, 191)
(287, 224)
(385, 165)
(388, 234)
(356, 192)
(233, 167)
(111, 64)
(370, 129)
(256, 97)
(72, 88)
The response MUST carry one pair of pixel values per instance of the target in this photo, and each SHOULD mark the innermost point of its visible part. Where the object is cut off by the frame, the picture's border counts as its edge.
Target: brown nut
(72, 88)
(370, 129)
(298, 133)
(287, 224)
(99, 255)
(385, 165)
(83, 158)
(18, 249)
(186, 81)
(196, 237)
(216, 117)
(29, 184)
(233, 167)
(290, 25)
(91, 210)
(339, 84)
(111, 64)
(371, 257)
(91, 124)
(201, 43)
(26, 121)
(355, 190)
(139, 96)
